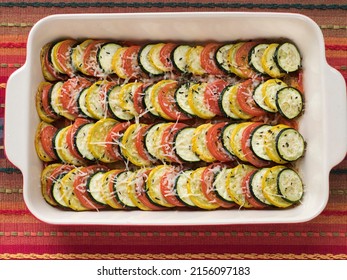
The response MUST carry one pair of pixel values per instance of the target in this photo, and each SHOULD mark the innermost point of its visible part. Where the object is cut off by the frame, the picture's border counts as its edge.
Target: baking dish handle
(15, 122)
(337, 116)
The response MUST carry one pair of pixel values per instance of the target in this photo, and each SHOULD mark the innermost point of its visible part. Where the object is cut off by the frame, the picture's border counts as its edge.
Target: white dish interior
(323, 124)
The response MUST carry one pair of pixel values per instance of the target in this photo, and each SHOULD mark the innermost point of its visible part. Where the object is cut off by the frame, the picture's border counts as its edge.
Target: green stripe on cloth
(299, 6)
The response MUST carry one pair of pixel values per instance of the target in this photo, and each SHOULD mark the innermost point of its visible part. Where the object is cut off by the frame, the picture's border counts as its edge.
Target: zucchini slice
(94, 187)
(56, 190)
(147, 100)
(287, 57)
(257, 141)
(146, 62)
(220, 185)
(181, 98)
(104, 56)
(225, 104)
(120, 188)
(81, 103)
(255, 184)
(54, 98)
(226, 137)
(152, 141)
(81, 143)
(290, 185)
(183, 145)
(290, 144)
(221, 57)
(255, 56)
(113, 102)
(179, 58)
(289, 102)
(181, 187)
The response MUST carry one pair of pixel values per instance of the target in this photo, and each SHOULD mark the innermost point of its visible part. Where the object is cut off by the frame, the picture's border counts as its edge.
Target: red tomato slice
(130, 63)
(246, 191)
(214, 142)
(168, 139)
(246, 147)
(90, 63)
(245, 99)
(141, 191)
(70, 136)
(167, 102)
(207, 59)
(167, 184)
(46, 136)
(139, 143)
(80, 186)
(241, 59)
(212, 93)
(112, 140)
(64, 56)
(45, 102)
(207, 187)
(69, 93)
(62, 169)
(165, 55)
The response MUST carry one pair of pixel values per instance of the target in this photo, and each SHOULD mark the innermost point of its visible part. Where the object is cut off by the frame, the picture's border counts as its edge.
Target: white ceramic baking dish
(323, 124)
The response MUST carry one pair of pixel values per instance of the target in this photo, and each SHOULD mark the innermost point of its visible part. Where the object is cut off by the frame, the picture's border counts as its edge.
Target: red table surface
(22, 236)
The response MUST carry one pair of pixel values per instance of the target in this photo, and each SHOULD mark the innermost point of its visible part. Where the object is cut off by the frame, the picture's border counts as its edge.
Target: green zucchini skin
(292, 96)
(254, 58)
(290, 144)
(283, 51)
(290, 185)
(179, 58)
(144, 61)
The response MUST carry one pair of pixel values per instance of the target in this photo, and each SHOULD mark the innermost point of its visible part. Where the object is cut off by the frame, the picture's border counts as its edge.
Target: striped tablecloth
(22, 236)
